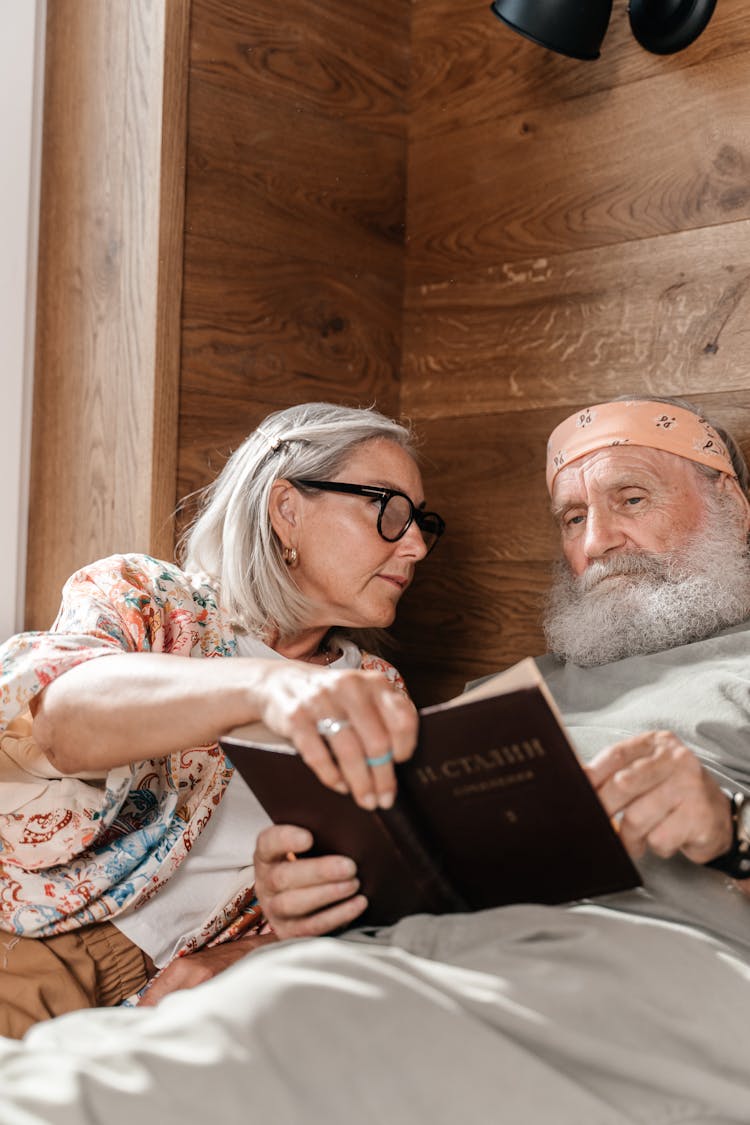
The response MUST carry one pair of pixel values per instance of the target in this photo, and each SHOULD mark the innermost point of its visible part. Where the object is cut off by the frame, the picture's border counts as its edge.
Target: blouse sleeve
(126, 603)
(372, 663)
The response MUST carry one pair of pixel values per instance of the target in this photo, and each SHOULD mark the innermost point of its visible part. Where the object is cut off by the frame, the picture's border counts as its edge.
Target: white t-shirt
(220, 864)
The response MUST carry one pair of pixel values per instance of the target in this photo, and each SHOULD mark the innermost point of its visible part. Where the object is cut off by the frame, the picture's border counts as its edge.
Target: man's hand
(668, 802)
(304, 897)
(196, 968)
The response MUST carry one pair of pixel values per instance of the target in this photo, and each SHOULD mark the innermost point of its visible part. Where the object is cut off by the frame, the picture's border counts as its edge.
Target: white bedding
(527, 1014)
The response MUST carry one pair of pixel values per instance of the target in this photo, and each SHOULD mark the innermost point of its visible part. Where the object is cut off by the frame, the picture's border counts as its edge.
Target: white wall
(21, 87)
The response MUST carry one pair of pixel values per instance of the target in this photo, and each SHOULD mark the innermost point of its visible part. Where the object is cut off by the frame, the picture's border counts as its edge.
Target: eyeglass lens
(397, 513)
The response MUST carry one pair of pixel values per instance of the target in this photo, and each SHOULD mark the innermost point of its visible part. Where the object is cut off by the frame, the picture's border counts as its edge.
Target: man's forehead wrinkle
(617, 468)
(576, 491)
(582, 497)
(627, 478)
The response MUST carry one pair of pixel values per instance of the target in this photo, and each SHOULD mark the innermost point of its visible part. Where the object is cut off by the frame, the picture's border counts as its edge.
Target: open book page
(525, 674)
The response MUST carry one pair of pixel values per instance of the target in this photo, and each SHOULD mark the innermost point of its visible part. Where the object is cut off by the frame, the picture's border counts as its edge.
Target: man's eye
(634, 500)
(572, 521)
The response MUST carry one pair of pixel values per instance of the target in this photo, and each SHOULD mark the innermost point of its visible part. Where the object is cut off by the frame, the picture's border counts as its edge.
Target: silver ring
(327, 727)
(382, 760)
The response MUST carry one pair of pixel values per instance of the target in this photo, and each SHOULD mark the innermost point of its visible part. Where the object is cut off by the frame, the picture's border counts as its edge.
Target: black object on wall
(577, 27)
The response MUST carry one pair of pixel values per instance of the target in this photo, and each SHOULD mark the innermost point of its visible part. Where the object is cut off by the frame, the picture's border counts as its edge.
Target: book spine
(438, 894)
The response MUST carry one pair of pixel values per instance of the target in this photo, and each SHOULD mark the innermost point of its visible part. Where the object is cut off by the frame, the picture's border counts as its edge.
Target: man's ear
(731, 486)
(284, 511)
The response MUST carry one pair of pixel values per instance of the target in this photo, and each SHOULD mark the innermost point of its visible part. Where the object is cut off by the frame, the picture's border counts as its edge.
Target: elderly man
(630, 1008)
(648, 622)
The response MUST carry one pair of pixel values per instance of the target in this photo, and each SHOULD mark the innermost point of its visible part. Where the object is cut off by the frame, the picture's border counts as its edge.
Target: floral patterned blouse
(78, 850)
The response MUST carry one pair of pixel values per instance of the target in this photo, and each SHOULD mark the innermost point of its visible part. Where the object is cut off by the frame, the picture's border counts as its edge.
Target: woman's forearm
(130, 707)
(134, 706)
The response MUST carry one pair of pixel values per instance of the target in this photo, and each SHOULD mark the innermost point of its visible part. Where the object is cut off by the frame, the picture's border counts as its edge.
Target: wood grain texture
(664, 314)
(167, 358)
(669, 153)
(261, 175)
(456, 625)
(293, 315)
(295, 205)
(467, 68)
(347, 62)
(103, 414)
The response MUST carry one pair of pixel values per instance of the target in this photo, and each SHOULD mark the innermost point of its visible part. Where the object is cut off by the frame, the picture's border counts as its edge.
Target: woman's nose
(413, 542)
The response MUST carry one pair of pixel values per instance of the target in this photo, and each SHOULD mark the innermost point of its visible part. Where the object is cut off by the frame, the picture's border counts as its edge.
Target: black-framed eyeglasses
(397, 512)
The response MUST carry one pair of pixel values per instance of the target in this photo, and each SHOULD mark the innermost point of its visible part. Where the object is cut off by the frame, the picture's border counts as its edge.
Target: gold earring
(290, 557)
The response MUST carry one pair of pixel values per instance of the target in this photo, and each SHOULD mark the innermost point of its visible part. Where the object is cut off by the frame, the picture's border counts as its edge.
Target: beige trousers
(96, 966)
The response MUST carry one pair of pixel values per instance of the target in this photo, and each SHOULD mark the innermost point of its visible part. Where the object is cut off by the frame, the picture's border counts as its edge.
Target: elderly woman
(126, 839)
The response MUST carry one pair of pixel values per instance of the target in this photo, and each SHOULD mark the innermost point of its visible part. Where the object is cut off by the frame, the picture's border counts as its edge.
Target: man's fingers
(663, 797)
(301, 897)
(311, 896)
(620, 755)
(645, 821)
(639, 763)
(679, 830)
(643, 776)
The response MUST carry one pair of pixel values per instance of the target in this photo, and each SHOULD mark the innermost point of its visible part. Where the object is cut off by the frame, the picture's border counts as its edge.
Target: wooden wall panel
(294, 216)
(108, 299)
(348, 61)
(669, 153)
(661, 314)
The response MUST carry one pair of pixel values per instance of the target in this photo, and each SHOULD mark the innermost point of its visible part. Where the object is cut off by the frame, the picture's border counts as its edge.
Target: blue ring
(382, 760)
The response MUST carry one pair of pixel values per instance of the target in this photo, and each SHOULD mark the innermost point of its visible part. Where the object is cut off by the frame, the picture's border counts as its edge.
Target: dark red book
(493, 808)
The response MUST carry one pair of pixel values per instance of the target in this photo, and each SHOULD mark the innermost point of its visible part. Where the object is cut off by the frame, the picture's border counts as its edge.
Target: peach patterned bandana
(653, 424)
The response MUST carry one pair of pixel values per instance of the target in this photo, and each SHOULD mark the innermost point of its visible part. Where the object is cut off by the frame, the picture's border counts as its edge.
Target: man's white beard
(659, 602)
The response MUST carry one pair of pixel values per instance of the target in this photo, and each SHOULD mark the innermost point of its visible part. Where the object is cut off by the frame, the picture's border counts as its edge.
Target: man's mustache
(636, 564)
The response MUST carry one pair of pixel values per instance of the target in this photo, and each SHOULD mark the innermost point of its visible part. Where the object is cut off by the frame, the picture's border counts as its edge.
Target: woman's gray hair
(232, 540)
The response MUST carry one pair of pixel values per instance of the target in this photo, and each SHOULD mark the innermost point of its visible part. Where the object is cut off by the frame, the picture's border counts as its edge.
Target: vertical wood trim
(108, 308)
(170, 279)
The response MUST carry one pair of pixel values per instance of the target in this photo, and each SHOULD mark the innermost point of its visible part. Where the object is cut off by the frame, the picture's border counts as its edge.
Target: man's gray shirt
(700, 692)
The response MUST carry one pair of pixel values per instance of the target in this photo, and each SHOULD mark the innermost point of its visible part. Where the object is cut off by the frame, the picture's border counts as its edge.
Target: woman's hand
(304, 897)
(197, 968)
(349, 727)
(665, 799)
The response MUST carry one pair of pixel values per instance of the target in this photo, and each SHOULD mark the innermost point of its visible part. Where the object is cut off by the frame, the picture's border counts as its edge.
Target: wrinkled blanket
(526, 1014)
